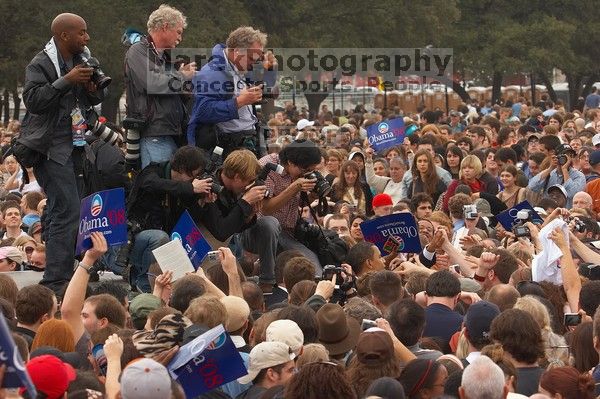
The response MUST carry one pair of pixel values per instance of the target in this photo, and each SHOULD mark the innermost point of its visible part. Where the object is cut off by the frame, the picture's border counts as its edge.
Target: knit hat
(237, 312)
(382, 200)
(288, 332)
(50, 375)
(145, 379)
(374, 347)
(141, 306)
(479, 320)
(265, 355)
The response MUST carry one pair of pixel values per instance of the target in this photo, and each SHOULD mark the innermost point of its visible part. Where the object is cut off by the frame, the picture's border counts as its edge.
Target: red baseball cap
(50, 375)
(382, 200)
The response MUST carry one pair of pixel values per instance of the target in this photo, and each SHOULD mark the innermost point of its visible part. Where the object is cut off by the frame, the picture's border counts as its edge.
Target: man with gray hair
(156, 112)
(226, 90)
(483, 379)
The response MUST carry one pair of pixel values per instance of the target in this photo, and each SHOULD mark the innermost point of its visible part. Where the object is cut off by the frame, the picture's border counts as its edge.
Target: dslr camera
(322, 187)
(470, 212)
(262, 175)
(98, 77)
(579, 225)
(214, 163)
(519, 229)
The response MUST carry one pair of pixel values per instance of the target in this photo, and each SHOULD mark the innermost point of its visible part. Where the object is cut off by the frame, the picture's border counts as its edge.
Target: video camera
(470, 212)
(519, 229)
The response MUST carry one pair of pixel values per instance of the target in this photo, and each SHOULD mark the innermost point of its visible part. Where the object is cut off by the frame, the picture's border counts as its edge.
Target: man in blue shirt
(592, 100)
(560, 172)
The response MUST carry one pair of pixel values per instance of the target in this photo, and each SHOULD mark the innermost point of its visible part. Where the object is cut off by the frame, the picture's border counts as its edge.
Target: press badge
(78, 127)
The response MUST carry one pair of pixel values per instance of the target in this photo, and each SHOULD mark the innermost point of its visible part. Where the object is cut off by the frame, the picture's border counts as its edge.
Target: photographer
(234, 210)
(160, 193)
(156, 112)
(298, 159)
(226, 90)
(58, 91)
(560, 172)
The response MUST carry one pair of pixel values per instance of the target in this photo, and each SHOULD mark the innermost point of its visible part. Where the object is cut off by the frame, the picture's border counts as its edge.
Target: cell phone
(572, 319)
(212, 255)
(366, 324)
(454, 268)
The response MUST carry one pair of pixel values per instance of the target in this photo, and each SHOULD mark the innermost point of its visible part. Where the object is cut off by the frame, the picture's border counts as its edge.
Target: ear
(461, 392)
(491, 275)
(103, 322)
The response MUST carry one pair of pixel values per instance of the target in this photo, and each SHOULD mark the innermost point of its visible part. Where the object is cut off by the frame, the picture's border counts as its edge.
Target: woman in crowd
(454, 157)
(512, 194)
(567, 383)
(320, 380)
(470, 170)
(333, 163)
(423, 379)
(355, 231)
(425, 178)
(491, 166)
(381, 167)
(349, 188)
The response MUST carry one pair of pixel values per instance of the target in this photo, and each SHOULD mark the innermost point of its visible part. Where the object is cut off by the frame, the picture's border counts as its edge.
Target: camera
(322, 187)
(470, 212)
(330, 270)
(98, 77)
(572, 319)
(262, 175)
(519, 229)
(579, 225)
(562, 159)
(366, 324)
(214, 163)
(215, 188)
(212, 255)
(102, 131)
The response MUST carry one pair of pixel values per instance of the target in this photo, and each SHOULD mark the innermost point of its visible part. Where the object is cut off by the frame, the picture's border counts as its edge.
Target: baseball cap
(265, 355)
(479, 319)
(382, 200)
(50, 375)
(144, 379)
(141, 306)
(596, 139)
(561, 149)
(237, 312)
(456, 113)
(533, 136)
(374, 347)
(595, 158)
(288, 332)
(303, 124)
(11, 253)
(561, 188)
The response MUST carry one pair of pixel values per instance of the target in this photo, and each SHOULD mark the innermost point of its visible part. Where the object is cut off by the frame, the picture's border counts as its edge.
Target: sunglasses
(29, 250)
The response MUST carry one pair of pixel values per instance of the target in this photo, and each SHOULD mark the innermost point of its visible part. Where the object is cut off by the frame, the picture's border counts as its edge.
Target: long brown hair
(431, 177)
(320, 380)
(362, 375)
(341, 186)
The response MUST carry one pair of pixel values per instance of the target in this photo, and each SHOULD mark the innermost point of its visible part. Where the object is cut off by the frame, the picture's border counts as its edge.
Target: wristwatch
(84, 267)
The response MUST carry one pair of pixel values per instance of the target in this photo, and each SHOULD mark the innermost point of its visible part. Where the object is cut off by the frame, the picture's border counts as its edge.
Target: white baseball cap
(265, 355)
(288, 332)
(596, 139)
(304, 123)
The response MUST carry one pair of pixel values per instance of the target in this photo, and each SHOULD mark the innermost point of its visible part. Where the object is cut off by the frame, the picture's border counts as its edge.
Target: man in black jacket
(58, 94)
(160, 194)
(235, 211)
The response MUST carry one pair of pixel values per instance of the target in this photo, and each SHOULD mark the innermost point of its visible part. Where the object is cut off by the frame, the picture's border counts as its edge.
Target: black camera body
(264, 172)
(98, 77)
(519, 229)
(216, 188)
(562, 159)
(322, 187)
(330, 270)
(210, 172)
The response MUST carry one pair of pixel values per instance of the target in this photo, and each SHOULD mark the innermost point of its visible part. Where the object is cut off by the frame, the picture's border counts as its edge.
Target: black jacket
(46, 126)
(156, 201)
(226, 216)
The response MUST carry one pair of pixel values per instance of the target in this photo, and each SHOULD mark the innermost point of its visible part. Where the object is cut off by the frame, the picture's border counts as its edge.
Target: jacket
(49, 99)
(156, 201)
(153, 90)
(227, 215)
(574, 184)
(215, 93)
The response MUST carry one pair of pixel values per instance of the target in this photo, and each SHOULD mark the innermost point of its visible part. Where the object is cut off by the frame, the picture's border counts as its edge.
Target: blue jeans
(141, 256)
(156, 149)
(263, 239)
(60, 185)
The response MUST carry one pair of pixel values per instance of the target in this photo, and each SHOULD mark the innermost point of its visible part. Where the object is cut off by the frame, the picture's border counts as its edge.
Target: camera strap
(304, 201)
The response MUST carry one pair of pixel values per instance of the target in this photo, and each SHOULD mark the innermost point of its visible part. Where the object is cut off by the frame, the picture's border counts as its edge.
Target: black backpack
(103, 168)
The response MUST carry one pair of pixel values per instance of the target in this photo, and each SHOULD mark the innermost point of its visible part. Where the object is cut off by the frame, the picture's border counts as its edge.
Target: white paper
(172, 256)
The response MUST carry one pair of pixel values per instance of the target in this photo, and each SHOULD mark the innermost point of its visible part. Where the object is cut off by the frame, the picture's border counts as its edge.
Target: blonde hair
(471, 161)
(165, 14)
(242, 163)
(536, 309)
(206, 310)
(312, 353)
(244, 37)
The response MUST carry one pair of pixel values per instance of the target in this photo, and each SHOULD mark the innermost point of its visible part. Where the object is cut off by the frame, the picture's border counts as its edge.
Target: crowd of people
(313, 309)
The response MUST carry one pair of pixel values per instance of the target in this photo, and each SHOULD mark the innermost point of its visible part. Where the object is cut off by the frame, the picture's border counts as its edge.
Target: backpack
(103, 168)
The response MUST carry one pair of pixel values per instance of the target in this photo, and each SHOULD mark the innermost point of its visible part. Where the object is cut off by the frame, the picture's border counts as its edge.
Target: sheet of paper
(172, 256)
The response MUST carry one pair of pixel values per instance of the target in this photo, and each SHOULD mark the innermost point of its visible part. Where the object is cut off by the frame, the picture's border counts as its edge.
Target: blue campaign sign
(190, 236)
(206, 363)
(103, 211)
(508, 218)
(16, 375)
(397, 231)
(386, 134)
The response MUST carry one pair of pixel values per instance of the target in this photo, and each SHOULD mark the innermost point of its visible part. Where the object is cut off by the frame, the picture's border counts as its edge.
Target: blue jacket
(214, 93)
